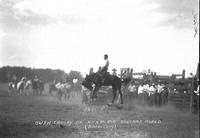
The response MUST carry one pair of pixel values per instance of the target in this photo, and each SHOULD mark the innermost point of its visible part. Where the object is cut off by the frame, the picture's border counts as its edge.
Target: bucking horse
(93, 82)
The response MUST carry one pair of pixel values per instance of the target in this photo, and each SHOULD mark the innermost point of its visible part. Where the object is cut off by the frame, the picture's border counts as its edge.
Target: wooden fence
(180, 100)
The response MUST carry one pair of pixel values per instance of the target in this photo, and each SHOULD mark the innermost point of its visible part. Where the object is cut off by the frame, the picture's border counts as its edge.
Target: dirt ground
(46, 117)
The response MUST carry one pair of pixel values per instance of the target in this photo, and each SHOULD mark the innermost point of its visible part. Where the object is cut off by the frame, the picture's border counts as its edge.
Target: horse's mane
(91, 76)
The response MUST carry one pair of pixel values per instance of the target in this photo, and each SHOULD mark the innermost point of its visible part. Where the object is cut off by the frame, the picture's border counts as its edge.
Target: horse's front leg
(121, 96)
(94, 94)
(114, 95)
(93, 97)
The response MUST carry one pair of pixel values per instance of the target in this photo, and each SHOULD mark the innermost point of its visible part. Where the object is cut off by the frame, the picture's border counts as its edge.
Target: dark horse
(52, 88)
(93, 82)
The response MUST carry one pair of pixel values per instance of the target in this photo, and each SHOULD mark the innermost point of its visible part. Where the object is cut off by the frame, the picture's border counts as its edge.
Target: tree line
(8, 73)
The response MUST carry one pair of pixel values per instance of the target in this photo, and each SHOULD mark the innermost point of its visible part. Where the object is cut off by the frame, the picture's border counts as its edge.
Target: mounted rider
(106, 65)
(103, 70)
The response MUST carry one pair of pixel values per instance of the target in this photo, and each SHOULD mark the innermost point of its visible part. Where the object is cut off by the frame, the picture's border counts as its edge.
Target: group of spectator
(26, 86)
(154, 94)
(37, 86)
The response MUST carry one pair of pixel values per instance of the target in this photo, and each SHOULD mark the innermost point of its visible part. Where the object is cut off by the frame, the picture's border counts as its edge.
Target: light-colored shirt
(106, 64)
(75, 80)
(140, 89)
(146, 87)
(160, 88)
(197, 91)
(132, 88)
(152, 90)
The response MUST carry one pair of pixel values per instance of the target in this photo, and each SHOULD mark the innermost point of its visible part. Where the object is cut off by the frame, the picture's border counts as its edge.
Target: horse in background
(63, 89)
(24, 87)
(21, 86)
(52, 87)
(12, 88)
(28, 87)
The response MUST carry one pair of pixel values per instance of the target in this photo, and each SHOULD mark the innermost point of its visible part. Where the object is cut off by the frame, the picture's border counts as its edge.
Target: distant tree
(75, 75)
(8, 73)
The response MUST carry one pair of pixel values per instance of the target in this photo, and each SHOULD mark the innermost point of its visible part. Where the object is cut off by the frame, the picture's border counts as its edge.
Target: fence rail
(179, 100)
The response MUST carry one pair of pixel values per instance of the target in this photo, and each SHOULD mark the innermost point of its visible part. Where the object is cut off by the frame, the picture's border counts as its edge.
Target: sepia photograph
(99, 69)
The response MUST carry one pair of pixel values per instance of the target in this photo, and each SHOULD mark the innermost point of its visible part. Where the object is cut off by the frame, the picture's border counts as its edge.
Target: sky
(75, 34)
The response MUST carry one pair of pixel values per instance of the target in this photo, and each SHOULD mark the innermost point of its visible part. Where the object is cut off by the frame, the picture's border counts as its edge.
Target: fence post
(191, 94)
(184, 100)
(183, 74)
(121, 73)
(131, 73)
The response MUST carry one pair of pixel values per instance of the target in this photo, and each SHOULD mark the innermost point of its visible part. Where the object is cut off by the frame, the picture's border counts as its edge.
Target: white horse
(21, 87)
(24, 87)
(63, 89)
(28, 87)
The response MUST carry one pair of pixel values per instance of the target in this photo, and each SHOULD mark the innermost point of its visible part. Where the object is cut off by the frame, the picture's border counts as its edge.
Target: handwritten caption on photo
(89, 125)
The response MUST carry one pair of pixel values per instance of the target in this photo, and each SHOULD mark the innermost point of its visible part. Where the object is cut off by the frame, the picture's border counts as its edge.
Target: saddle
(101, 76)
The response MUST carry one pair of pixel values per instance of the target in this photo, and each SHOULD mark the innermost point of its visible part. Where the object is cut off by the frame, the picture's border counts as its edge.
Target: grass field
(25, 116)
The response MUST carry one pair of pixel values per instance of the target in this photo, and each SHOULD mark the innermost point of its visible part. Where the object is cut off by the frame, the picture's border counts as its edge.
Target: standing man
(114, 72)
(158, 94)
(35, 86)
(152, 94)
(141, 93)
